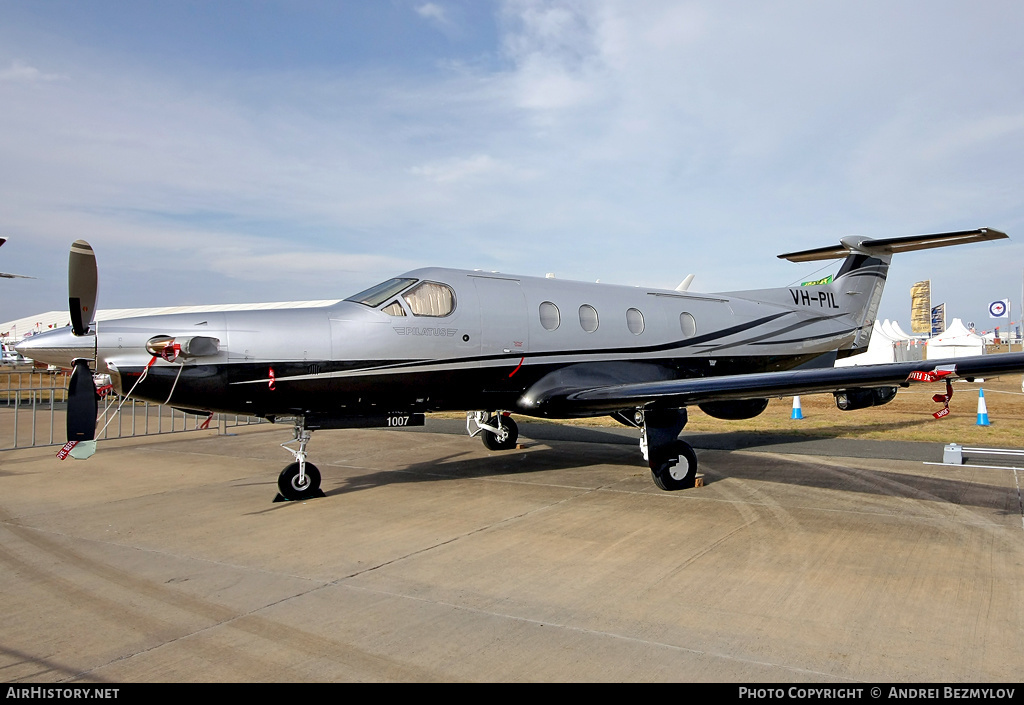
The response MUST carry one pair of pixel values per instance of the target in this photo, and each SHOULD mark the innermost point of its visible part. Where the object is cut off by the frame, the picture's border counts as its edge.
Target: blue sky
(221, 152)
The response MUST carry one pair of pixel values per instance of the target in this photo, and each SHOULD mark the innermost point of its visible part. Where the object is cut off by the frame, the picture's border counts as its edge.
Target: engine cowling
(853, 399)
(734, 410)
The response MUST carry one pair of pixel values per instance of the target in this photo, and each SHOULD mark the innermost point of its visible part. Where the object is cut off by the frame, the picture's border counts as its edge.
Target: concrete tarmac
(432, 559)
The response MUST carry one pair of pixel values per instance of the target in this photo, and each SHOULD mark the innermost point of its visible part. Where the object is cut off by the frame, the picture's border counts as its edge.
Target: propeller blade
(82, 280)
(83, 404)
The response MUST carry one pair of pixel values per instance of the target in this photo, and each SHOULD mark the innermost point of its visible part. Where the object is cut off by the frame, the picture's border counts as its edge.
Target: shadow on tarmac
(799, 473)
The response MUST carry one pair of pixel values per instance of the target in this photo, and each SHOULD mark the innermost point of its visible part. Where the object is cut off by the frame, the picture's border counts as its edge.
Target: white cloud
(274, 262)
(443, 19)
(21, 72)
(459, 169)
(432, 11)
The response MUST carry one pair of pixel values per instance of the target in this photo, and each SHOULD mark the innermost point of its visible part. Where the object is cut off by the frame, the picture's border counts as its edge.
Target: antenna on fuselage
(685, 284)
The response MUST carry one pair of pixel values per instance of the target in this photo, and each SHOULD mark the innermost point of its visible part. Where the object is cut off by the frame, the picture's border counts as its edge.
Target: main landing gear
(498, 430)
(672, 461)
(299, 480)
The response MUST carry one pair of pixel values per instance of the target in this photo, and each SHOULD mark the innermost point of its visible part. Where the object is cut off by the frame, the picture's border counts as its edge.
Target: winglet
(892, 245)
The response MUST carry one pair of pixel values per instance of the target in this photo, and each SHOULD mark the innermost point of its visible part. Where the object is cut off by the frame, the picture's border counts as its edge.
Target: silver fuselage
(505, 338)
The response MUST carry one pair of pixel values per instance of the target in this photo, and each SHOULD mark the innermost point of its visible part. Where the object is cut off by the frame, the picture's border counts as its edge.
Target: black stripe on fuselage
(213, 388)
(876, 275)
(631, 351)
(796, 326)
(846, 331)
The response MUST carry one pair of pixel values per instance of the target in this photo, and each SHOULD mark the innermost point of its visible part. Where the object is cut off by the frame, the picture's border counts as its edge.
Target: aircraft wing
(684, 392)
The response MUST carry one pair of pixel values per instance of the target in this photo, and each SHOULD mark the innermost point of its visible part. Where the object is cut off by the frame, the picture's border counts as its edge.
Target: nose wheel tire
(681, 475)
(506, 439)
(291, 489)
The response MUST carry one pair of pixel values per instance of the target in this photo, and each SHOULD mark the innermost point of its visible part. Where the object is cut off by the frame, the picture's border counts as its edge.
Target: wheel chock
(319, 493)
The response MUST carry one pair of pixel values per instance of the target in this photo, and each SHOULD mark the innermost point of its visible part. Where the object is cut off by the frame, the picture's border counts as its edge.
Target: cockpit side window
(430, 299)
(394, 309)
(376, 295)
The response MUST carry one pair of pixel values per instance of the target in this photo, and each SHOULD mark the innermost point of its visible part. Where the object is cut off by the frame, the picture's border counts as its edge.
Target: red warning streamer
(933, 376)
(63, 452)
(944, 400)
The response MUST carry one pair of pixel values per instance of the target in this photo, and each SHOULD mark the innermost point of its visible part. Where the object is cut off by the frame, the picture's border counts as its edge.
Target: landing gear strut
(299, 480)
(499, 431)
(672, 461)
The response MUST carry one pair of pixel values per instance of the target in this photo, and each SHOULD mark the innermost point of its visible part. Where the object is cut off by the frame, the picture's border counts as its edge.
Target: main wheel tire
(288, 482)
(677, 476)
(508, 437)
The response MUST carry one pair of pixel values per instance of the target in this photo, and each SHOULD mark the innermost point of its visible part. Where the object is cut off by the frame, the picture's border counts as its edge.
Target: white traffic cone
(982, 408)
(798, 413)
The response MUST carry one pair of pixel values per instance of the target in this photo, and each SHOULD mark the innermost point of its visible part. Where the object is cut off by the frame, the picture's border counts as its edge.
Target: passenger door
(503, 317)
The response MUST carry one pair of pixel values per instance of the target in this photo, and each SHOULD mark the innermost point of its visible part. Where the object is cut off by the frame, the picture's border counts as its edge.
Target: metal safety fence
(33, 404)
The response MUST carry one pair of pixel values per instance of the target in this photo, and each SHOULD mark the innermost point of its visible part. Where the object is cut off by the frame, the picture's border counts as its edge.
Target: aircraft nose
(58, 347)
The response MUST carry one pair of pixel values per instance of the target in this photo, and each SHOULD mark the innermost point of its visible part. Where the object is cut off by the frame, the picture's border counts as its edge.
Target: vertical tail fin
(866, 265)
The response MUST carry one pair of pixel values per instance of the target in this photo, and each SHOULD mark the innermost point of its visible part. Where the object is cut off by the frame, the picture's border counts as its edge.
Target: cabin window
(687, 325)
(394, 309)
(635, 321)
(430, 299)
(588, 318)
(549, 317)
(376, 295)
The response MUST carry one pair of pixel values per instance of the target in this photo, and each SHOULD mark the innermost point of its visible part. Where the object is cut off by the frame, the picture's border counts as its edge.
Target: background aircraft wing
(684, 392)
(5, 275)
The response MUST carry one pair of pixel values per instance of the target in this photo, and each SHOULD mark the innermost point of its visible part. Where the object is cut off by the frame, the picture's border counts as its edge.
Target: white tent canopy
(888, 344)
(889, 331)
(900, 332)
(955, 341)
(880, 350)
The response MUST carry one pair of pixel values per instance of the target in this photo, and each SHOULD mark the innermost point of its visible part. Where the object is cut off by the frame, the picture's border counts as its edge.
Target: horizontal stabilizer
(893, 245)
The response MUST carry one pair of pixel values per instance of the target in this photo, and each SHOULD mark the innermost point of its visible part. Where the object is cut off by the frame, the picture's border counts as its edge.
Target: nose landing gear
(299, 480)
(498, 431)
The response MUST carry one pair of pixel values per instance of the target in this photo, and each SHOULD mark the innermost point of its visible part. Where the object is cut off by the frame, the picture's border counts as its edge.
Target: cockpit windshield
(376, 295)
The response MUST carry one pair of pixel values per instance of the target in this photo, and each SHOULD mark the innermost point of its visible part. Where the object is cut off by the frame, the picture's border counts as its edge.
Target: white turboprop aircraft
(492, 344)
